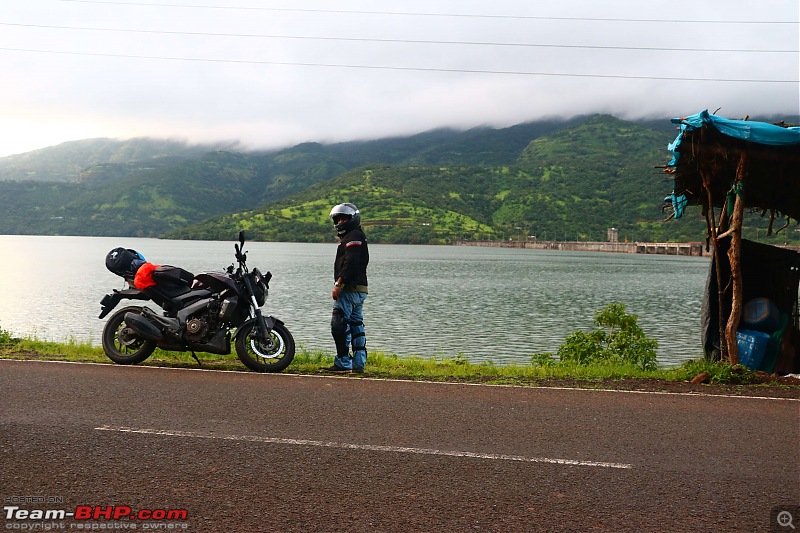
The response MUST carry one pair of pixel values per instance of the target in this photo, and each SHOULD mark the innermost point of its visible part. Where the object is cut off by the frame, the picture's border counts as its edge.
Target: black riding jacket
(352, 258)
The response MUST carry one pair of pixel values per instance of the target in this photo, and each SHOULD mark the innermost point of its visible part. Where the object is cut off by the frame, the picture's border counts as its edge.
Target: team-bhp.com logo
(149, 518)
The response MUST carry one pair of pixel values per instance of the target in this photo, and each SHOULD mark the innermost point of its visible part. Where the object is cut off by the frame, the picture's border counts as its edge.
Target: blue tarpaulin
(757, 132)
(705, 155)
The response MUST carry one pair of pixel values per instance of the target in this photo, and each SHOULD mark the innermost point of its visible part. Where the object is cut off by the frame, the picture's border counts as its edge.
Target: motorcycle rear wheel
(271, 355)
(121, 344)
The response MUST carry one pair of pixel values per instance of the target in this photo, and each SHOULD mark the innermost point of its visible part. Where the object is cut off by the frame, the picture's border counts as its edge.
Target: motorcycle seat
(170, 275)
(173, 288)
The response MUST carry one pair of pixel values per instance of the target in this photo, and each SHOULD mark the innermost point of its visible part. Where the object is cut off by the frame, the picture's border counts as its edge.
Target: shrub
(543, 359)
(718, 372)
(622, 341)
(5, 337)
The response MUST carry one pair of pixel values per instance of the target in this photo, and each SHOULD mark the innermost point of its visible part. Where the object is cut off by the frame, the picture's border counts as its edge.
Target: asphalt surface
(248, 452)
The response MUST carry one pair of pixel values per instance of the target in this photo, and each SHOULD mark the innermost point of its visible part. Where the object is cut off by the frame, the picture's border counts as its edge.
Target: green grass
(389, 366)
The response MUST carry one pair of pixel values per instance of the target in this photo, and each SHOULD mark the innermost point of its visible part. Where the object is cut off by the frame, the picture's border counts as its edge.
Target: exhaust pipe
(143, 327)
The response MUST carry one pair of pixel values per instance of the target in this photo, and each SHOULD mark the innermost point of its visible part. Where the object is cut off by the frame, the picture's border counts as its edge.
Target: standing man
(349, 290)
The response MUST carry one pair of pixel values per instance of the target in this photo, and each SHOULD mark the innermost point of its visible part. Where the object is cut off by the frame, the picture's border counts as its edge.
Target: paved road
(248, 452)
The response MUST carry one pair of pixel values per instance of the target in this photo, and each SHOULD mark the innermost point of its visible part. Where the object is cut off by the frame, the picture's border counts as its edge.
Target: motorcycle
(199, 313)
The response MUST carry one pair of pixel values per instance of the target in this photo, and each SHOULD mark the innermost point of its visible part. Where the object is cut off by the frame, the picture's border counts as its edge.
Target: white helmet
(348, 210)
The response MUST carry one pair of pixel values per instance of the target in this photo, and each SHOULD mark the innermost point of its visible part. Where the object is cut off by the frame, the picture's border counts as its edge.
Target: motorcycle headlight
(260, 286)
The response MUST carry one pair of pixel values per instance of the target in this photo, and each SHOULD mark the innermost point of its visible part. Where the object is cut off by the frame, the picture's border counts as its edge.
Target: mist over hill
(571, 183)
(561, 179)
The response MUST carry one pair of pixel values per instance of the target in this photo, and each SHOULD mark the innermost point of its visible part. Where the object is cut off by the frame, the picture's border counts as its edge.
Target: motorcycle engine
(196, 330)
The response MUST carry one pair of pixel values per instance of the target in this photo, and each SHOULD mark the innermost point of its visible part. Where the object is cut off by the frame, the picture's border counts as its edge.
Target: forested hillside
(146, 187)
(572, 184)
(557, 180)
(106, 159)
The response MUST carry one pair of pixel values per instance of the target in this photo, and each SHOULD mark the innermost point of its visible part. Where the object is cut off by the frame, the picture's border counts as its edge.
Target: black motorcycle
(199, 314)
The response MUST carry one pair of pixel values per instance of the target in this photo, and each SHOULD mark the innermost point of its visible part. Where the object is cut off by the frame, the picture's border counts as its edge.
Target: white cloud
(84, 83)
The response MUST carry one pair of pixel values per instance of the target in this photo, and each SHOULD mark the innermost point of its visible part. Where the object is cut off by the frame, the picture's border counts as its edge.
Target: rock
(702, 377)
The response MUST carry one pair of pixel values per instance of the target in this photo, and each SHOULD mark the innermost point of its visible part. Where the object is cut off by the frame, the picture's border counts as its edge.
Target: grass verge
(457, 370)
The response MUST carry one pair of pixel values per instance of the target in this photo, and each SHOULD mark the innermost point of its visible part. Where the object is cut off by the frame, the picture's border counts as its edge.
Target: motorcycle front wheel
(123, 345)
(272, 354)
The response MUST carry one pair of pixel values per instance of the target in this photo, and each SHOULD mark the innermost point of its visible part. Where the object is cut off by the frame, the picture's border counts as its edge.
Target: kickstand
(196, 359)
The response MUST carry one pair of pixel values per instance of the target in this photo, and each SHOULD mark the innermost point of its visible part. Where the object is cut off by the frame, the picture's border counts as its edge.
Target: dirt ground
(766, 386)
(771, 386)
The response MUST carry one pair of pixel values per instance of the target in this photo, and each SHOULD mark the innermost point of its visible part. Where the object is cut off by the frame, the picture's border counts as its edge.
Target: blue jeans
(347, 328)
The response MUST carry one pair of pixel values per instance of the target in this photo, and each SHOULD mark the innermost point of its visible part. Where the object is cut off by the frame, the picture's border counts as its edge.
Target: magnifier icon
(785, 519)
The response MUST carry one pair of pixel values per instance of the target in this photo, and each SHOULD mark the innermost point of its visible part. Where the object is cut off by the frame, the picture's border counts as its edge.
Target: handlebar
(241, 256)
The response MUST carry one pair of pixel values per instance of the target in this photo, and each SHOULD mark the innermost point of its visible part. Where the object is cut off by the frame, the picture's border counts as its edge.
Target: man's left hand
(335, 293)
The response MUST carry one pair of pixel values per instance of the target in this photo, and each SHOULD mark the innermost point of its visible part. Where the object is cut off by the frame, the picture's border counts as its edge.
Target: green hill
(146, 187)
(573, 183)
(89, 159)
(556, 180)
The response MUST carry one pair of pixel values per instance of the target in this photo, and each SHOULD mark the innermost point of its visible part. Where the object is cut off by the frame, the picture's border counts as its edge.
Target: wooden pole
(735, 260)
(712, 229)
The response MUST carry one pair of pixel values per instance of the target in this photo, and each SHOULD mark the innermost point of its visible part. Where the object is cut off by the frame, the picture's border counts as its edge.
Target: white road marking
(368, 447)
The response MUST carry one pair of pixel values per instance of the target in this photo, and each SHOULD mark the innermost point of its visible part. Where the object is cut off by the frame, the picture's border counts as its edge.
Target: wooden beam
(735, 260)
(712, 230)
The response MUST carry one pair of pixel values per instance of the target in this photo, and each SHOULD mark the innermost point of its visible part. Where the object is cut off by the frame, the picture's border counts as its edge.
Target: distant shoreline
(695, 249)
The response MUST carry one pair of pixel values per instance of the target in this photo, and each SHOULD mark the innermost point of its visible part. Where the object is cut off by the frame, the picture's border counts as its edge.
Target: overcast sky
(273, 73)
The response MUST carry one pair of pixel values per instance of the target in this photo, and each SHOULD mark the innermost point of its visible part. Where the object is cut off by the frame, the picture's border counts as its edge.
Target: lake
(497, 304)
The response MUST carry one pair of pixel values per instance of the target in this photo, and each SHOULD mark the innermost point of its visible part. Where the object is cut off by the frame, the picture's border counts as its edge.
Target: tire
(121, 344)
(260, 356)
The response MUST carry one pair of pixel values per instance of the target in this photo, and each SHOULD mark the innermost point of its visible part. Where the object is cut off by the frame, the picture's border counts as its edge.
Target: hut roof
(708, 150)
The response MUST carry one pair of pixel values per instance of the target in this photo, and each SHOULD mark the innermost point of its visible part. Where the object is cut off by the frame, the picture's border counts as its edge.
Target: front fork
(264, 325)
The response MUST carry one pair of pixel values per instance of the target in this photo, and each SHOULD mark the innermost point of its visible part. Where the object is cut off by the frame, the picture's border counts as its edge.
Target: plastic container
(752, 347)
(774, 348)
(760, 314)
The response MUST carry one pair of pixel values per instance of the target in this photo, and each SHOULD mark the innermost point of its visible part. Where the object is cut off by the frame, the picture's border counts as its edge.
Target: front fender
(110, 301)
(269, 321)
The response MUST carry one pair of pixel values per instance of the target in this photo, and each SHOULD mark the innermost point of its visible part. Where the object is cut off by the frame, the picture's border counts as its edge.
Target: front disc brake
(267, 348)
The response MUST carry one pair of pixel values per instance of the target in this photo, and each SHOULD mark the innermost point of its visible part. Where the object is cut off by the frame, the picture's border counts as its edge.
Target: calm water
(486, 303)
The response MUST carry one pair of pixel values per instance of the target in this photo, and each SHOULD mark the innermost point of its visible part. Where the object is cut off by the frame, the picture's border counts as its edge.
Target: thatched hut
(727, 167)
